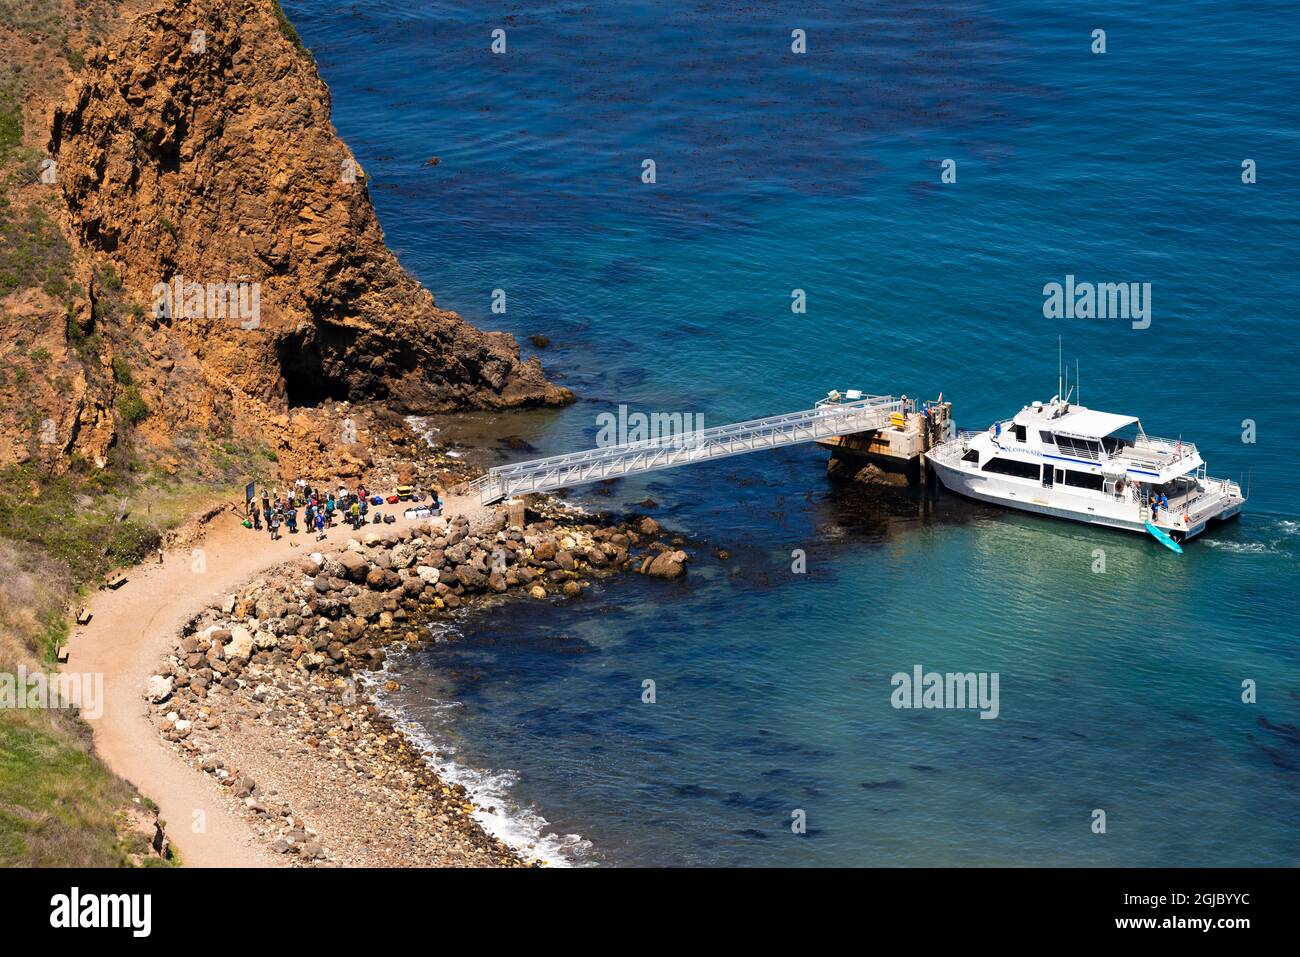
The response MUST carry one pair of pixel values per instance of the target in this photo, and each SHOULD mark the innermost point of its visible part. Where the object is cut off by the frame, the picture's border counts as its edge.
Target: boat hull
(1026, 497)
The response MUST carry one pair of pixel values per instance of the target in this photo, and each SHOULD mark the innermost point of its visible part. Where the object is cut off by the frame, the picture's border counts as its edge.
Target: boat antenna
(1060, 388)
(1078, 387)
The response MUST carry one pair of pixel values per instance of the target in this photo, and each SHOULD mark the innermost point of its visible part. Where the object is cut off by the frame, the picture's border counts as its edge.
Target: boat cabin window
(1079, 448)
(1027, 470)
(1019, 430)
(972, 456)
(1117, 442)
(1046, 437)
(1084, 480)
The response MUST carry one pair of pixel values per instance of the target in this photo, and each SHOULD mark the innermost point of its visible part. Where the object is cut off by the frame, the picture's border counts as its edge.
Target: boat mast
(1060, 387)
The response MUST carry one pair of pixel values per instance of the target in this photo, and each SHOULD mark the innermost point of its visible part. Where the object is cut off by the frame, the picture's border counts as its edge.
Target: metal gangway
(830, 417)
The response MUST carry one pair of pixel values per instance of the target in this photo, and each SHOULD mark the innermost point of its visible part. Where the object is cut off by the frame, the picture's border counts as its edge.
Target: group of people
(319, 508)
(1159, 500)
(280, 510)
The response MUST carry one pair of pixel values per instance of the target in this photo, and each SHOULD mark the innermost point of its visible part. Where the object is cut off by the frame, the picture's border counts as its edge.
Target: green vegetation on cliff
(33, 252)
(290, 32)
(59, 806)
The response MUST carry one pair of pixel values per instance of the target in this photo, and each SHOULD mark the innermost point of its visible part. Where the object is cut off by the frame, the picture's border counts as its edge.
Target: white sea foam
(523, 829)
(420, 425)
(1240, 548)
(1278, 538)
(423, 429)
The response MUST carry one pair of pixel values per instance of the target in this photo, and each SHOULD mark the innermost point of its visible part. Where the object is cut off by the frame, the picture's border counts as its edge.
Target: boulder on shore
(158, 688)
(667, 565)
(240, 644)
(367, 605)
(355, 567)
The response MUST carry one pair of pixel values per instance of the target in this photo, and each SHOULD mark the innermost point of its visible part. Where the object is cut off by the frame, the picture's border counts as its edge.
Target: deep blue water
(777, 171)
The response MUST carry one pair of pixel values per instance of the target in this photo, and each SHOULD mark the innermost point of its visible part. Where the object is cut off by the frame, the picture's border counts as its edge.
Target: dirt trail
(133, 626)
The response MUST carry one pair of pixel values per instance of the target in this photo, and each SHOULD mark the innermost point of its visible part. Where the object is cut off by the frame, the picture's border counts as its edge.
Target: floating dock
(894, 454)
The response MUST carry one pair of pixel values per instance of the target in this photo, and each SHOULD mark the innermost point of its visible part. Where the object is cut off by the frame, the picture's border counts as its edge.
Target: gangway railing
(827, 419)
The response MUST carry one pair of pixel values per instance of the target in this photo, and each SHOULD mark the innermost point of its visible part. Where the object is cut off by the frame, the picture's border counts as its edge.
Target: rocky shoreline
(262, 691)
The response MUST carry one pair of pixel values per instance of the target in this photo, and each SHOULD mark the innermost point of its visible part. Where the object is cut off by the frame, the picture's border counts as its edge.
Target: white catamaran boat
(1072, 462)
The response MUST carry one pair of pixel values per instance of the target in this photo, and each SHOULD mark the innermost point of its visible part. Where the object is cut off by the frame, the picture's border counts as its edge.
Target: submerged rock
(666, 565)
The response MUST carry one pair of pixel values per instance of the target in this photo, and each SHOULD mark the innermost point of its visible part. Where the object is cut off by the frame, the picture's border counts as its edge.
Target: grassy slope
(60, 534)
(59, 806)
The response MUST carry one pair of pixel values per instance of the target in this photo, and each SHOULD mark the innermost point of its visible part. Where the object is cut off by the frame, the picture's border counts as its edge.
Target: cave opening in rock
(311, 378)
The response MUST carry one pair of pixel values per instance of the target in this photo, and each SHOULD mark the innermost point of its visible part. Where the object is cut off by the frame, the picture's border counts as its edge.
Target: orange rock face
(204, 173)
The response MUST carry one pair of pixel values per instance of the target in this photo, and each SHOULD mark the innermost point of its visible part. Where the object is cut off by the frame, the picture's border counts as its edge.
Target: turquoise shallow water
(1119, 691)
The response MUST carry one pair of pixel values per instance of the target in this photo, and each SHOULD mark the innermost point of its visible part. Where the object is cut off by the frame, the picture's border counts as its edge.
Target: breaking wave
(523, 829)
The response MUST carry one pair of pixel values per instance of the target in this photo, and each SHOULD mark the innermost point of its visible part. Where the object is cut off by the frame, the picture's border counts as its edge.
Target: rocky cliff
(215, 262)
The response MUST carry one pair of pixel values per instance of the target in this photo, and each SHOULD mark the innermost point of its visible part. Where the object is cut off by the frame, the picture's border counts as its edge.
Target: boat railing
(1078, 448)
(1219, 487)
(1151, 450)
(1206, 496)
(953, 447)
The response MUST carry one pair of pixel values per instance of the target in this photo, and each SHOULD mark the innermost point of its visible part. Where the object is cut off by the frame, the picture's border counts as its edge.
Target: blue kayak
(1164, 539)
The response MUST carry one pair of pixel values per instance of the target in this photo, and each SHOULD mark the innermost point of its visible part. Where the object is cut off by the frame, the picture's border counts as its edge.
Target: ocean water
(1119, 691)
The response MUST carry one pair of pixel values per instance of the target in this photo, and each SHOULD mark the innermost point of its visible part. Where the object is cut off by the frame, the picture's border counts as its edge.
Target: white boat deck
(1151, 451)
